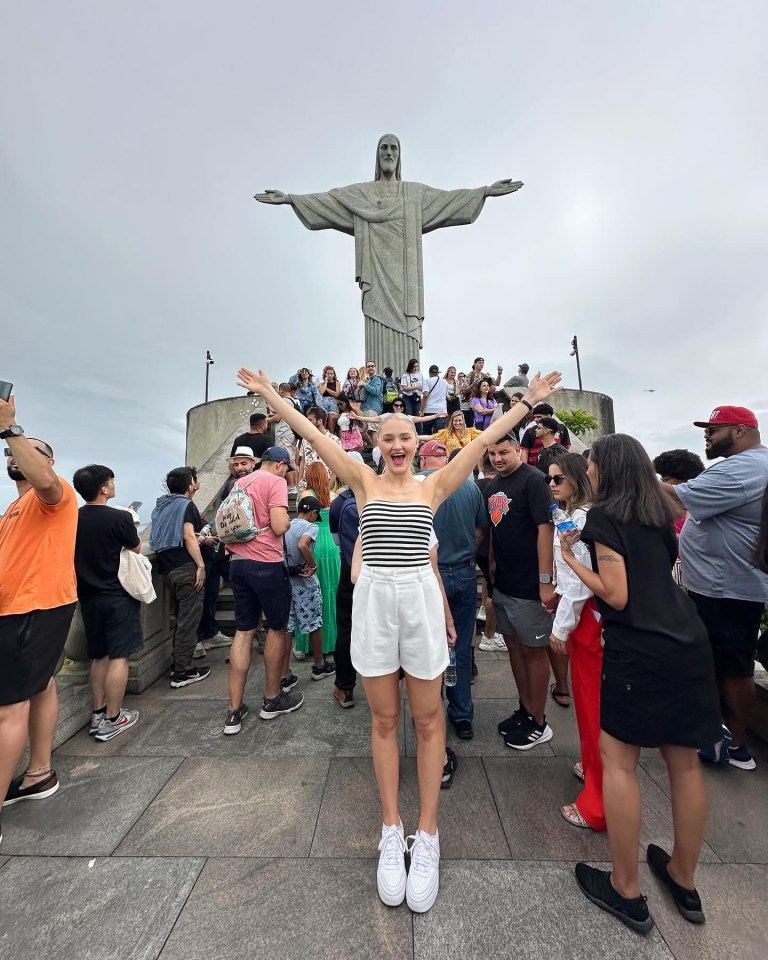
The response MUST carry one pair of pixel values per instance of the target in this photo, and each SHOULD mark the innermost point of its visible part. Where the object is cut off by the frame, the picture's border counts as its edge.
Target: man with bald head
(38, 593)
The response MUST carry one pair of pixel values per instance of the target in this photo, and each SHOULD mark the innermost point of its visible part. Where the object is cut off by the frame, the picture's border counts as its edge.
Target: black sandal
(560, 694)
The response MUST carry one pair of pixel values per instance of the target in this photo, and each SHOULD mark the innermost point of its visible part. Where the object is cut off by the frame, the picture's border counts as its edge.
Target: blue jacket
(344, 520)
(374, 395)
(168, 522)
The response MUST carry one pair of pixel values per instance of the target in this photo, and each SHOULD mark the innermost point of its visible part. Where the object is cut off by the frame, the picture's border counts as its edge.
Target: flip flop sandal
(561, 694)
(578, 772)
(578, 820)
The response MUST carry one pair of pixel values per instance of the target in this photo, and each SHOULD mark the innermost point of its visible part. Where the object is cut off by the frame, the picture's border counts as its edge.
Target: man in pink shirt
(260, 584)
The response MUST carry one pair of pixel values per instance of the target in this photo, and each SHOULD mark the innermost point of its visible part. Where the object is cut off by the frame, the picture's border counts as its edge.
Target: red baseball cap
(433, 448)
(732, 416)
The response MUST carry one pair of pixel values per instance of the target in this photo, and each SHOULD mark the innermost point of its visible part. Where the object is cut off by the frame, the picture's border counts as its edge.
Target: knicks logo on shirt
(498, 507)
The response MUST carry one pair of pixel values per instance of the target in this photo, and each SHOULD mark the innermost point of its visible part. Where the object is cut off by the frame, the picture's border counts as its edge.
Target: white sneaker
(424, 875)
(390, 875)
(199, 652)
(487, 643)
(498, 639)
(299, 655)
(219, 640)
(481, 613)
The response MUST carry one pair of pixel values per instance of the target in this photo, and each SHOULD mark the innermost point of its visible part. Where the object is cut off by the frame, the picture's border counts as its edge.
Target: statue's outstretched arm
(499, 189)
(273, 196)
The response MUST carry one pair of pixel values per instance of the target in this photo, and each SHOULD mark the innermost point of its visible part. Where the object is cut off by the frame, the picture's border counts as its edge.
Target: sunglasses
(8, 453)
(708, 431)
(558, 479)
(396, 405)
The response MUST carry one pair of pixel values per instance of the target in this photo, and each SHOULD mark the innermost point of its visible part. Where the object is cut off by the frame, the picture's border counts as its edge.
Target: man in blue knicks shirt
(716, 545)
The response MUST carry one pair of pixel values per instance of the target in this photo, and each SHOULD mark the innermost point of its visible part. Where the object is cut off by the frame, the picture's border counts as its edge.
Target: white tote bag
(135, 576)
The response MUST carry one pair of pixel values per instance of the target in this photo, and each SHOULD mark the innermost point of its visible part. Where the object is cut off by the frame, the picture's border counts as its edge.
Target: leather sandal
(559, 695)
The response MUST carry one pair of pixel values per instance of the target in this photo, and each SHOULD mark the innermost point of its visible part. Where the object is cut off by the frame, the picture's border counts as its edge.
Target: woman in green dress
(327, 559)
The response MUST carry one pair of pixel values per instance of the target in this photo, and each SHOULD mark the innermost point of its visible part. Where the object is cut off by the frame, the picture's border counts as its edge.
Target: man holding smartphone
(37, 600)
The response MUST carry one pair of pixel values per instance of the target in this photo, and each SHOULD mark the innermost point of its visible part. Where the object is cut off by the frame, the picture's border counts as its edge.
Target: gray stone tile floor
(173, 841)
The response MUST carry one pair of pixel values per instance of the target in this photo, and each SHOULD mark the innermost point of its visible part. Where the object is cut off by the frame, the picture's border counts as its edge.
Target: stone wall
(597, 405)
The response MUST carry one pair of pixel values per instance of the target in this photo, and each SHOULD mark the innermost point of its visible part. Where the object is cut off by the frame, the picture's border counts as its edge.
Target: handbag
(235, 521)
(135, 576)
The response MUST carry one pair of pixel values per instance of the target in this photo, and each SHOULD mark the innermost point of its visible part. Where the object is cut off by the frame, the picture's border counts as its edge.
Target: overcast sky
(135, 134)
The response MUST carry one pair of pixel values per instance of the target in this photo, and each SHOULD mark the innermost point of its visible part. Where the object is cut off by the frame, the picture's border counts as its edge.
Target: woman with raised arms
(398, 619)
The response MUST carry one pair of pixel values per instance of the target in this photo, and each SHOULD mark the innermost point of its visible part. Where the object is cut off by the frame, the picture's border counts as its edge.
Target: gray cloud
(133, 138)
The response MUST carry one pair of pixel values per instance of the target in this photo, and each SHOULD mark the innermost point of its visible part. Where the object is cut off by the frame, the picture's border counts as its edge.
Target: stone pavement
(175, 842)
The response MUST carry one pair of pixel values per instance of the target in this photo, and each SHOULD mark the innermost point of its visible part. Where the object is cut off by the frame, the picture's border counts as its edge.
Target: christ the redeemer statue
(387, 217)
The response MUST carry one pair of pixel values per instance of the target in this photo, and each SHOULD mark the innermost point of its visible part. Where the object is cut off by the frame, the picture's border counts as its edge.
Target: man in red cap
(716, 544)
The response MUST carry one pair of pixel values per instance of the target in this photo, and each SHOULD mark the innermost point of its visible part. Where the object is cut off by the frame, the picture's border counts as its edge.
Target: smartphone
(6, 389)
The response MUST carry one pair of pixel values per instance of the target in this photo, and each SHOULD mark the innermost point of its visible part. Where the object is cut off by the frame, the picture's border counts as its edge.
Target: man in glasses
(37, 600)
(716, 546)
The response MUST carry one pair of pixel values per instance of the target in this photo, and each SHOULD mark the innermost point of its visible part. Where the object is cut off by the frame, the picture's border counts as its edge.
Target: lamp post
(208, 362)
(575, 353)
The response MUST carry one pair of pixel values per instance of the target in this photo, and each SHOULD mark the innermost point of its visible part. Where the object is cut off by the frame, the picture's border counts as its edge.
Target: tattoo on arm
(607, 558)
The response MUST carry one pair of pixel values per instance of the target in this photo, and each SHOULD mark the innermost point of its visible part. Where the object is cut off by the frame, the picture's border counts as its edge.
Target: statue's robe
(387, 219)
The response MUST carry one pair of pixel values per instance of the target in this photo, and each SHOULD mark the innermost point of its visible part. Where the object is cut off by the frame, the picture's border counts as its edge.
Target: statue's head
(388, 156)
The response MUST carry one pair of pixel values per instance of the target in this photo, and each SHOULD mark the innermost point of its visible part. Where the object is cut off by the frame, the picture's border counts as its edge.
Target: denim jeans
(208, 626)
(460, 582)
(412, 403)
(432, 426)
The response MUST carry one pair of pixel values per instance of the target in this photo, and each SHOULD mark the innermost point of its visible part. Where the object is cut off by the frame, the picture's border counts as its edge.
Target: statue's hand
(541, 387)
(502, 187)
(273, 196)
(258, 383)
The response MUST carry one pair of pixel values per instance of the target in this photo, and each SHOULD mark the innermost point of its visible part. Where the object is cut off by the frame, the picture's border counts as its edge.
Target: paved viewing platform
(173, 841)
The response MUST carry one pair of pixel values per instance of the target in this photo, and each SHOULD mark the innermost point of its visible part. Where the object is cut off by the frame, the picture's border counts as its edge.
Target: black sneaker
(289, 682)
(234, 719)
(451, 765)
(688, 902)
(463, 729)
(596, 886)
(37, 791)
(528, 735)
(285, 703)
(194, 675)
(519, 716)
(322, 670)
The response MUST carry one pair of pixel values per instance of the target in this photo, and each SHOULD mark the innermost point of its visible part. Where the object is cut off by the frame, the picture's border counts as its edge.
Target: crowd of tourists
(640, 604)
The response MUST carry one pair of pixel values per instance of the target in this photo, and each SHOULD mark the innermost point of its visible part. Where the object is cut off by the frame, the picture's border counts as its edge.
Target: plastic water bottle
(449, 677)
(565, 524)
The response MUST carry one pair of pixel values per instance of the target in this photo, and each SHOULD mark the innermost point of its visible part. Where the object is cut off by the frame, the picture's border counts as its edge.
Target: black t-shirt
(530, 442)
(168, 560)
(102, 532)
(258, 442)
(658, 631)
(518, 505)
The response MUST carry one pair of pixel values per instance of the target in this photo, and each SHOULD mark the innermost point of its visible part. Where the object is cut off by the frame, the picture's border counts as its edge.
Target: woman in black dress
(658, 686)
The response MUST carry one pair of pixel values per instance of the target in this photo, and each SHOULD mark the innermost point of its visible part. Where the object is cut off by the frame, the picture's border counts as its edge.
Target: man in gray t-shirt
(716, 546)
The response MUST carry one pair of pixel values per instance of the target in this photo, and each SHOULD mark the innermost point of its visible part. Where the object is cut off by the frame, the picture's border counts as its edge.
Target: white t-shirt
(437, 388)
(412, 380)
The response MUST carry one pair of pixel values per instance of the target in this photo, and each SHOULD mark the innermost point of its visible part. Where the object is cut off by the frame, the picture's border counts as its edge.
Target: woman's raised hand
(541, 387)
(257, 383)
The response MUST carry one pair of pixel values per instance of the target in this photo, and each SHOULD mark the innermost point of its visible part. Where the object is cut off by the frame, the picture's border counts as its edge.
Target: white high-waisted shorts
(398, 621)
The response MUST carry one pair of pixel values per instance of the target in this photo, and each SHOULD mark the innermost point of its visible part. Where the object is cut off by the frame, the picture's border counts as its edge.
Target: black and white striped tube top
(395, 534)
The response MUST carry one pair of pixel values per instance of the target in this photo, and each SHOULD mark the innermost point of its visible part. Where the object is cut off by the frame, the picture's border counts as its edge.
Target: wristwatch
(545, 578)
(13, 431)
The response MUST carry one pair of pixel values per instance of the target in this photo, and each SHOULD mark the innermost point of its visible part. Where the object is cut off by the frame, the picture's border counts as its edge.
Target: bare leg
(559, 663)
(316, 646)
(43, 716)
(98, 683)
(239, 664)
(14, 723)
(383, 695)
(116, 682)
(519, 671)
(689, 812)
(274, 653)
(429, 718)
(286, 663)
(736, 696)
(537, 674)
(623, 813)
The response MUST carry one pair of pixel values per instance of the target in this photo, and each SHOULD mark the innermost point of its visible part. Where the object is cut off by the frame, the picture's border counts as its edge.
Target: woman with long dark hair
(411, 385)
(576, 635)
(483, 404)
(398, 620)
(658, 682)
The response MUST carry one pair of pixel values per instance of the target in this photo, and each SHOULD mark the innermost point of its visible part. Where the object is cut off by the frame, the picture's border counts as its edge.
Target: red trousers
(586, 654)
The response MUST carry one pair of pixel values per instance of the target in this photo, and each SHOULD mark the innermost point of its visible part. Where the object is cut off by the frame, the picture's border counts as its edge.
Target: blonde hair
(393, 417)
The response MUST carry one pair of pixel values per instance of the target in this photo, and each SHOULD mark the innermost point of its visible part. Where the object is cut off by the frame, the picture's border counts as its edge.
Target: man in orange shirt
(37, 600)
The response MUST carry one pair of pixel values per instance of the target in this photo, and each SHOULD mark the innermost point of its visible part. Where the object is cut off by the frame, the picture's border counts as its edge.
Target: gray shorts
(526, 620)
